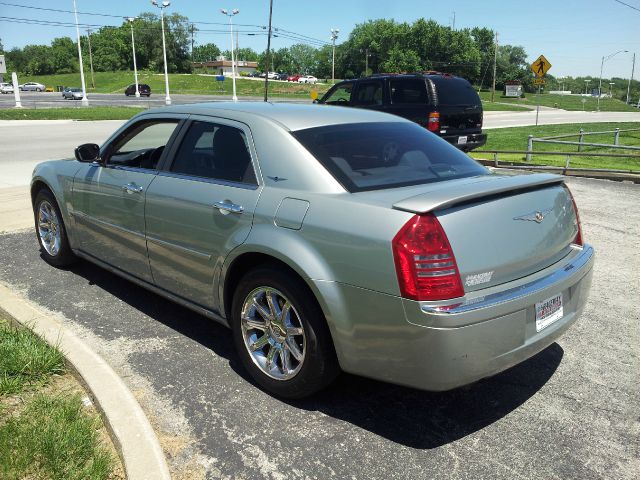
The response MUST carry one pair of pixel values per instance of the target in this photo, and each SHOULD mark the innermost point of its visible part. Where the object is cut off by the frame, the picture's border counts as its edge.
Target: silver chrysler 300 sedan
(327, 239)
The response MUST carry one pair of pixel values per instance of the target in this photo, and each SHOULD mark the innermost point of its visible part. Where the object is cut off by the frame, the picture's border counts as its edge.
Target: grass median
(76, 113)
(564, 102)
(515, 138)
(46, 429)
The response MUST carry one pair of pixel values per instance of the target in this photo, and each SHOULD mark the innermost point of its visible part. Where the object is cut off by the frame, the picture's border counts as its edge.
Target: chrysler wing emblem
(537, 216)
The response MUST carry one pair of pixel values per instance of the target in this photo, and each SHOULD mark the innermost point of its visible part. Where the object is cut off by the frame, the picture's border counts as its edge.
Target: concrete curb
(132, 433)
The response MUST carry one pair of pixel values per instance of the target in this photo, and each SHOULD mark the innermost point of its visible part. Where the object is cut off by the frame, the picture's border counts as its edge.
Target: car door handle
(132, 188)
(228, 207)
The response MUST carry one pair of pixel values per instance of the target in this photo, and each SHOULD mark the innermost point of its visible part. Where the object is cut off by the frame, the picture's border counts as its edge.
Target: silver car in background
(32, 87)
(6, 88)
(72, 94)
(327, 239)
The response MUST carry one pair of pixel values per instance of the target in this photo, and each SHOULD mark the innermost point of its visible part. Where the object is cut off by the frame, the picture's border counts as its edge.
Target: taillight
(578, 240)
(425, 264)
(433, 125)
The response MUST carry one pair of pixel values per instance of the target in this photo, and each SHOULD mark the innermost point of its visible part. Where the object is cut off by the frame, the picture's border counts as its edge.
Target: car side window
(369, 93)
(142, 145)
(408, 91)
(215, 151)
(341, 95)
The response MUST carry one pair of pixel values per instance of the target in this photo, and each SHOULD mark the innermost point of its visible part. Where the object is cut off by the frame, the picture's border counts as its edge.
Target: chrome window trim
(214, 181)
(581, 261)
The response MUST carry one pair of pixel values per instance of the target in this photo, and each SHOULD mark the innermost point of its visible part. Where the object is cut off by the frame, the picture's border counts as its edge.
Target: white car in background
(6, 88)
(308, 79)
(32, 86)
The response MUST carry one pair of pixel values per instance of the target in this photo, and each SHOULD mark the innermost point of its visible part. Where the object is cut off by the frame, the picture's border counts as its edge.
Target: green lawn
(46, 431)
(516, 139)
(495, 106)
(116, 82)
(77, 113)
(564, 102)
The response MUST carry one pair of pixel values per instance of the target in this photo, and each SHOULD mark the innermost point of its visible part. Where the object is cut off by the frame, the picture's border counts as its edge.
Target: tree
(205, 53)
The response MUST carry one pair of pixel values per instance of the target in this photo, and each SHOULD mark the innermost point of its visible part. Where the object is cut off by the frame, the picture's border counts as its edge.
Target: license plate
(548, 311)
(462, 140)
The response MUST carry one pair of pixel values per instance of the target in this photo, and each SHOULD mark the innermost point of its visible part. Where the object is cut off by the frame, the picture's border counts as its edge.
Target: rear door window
(369, 93)
(373, 156)
(214, 151)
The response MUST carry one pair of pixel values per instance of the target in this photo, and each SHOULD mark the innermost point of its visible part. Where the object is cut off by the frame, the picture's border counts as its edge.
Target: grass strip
(515, 138)
(78, 113)
(25, 359)
(564, 102)
(53, 438)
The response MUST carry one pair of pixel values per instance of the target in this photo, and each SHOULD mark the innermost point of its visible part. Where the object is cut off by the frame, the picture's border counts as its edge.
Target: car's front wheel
(281, 335)
(51, 232)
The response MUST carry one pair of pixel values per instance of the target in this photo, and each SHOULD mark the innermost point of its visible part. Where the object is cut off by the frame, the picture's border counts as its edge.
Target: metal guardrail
(581, 143)
(567, 156)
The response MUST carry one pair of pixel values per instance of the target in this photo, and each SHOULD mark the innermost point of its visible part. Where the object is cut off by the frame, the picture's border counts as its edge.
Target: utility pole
(93, 81)
(495, 61)
(633, 67)
(268, 56)
(192, 42)
(334, 36)
(366, 61)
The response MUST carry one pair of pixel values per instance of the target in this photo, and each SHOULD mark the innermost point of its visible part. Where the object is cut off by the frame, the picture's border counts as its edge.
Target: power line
(627, 5)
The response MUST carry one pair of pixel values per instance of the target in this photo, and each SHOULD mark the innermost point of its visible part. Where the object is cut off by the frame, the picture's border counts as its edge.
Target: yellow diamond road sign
(540, 66)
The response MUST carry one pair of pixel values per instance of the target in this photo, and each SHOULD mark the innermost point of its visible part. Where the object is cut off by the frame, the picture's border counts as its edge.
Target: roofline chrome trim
(580, 262)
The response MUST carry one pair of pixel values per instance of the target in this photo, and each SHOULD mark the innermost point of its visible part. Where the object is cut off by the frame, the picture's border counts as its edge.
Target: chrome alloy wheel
(49, 228)
(273, 333)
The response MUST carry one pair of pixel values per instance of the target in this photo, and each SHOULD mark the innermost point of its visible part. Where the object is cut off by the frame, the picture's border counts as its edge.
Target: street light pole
(165, 4)
(633, 67)
(133, 46)
(230, 14)
(334, 36)
(604, 59)
(85, 100)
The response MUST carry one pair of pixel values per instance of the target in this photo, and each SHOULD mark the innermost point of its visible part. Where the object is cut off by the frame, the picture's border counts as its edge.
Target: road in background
(570, 412)
(53, 100)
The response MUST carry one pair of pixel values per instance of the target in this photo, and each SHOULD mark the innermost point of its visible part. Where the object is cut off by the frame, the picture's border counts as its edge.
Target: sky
(572, 35)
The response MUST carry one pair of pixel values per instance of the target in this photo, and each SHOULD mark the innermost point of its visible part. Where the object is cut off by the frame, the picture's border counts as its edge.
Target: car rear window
(374, 156)
(455, 91)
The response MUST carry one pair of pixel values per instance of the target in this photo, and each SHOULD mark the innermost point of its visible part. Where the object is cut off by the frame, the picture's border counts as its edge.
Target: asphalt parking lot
(572, 411)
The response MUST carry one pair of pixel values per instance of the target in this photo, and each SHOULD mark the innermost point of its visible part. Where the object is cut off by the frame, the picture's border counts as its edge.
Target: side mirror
(87, 152)
(315, 100)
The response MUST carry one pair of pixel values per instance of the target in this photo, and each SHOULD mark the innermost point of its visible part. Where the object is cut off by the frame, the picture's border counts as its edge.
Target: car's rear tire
(51, 232)
(281, 334)
(38, 89)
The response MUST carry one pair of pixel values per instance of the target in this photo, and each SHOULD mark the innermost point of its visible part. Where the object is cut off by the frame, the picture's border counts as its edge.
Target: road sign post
(539, 67)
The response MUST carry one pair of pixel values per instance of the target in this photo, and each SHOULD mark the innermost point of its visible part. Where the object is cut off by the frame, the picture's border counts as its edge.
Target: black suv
(444, 104)
(143, 88)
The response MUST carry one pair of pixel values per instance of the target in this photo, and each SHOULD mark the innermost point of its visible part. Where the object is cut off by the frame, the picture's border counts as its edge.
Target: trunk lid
(501, 228)
(458, 103)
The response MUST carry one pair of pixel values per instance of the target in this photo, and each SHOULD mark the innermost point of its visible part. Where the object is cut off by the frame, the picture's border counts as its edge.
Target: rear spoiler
(488, 186)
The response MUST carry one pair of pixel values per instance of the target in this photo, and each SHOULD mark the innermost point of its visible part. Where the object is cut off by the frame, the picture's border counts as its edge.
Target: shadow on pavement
(413, 418)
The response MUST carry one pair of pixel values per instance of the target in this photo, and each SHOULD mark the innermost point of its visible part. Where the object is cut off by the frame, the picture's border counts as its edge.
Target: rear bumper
(440, 347)
(474, 140)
